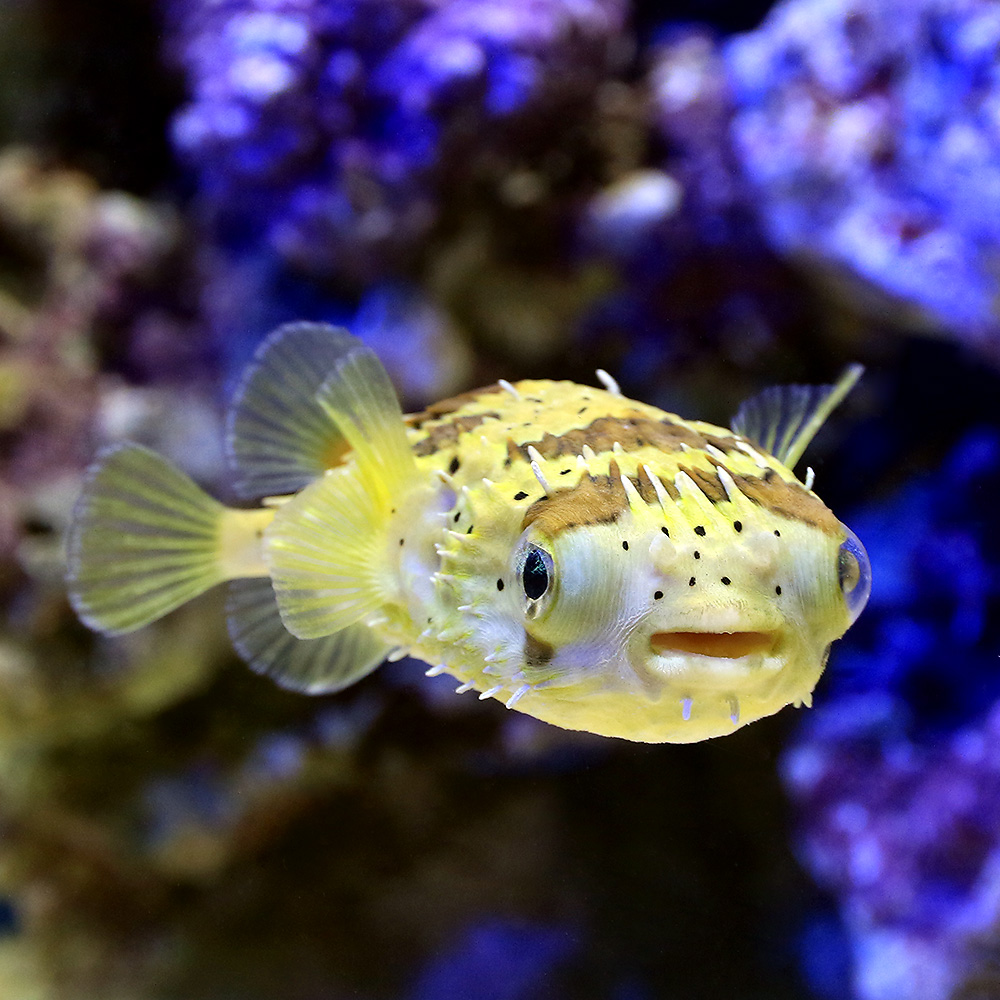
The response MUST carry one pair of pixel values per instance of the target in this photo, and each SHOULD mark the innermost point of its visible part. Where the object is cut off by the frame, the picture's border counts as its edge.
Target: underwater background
(703, 197)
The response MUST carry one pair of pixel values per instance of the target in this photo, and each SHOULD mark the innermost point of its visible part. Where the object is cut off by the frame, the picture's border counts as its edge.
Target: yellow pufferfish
(589, 560)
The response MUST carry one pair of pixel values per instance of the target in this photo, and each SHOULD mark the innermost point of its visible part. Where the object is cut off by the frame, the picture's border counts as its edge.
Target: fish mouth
(724, 645)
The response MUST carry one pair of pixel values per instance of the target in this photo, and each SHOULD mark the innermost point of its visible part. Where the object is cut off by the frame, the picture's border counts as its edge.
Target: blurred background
(704, 197)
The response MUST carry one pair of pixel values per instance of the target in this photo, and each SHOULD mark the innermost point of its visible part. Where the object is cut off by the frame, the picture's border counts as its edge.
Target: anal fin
(311, 666)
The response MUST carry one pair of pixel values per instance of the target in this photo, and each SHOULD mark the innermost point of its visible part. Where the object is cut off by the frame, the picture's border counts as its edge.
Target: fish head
(676, 625)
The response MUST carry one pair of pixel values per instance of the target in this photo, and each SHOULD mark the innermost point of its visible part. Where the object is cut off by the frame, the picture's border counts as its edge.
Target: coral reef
(490, 189)
(895, 777)
(330, 131)
(866, 129)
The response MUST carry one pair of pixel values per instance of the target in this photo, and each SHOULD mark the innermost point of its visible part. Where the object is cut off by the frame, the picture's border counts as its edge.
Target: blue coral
(866, 131)
(321, 127)
(897, 775)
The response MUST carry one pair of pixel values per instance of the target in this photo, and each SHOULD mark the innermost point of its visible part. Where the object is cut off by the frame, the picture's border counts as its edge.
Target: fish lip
(729, 645)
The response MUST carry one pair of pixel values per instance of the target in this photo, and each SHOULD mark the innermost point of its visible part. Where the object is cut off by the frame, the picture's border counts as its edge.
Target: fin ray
(278, 436)
(311, 666)
(783, 419)
(326, 546)
(143, 540)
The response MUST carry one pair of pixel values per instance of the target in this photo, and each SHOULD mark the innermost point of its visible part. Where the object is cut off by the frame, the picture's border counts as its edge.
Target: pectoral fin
(326, 548)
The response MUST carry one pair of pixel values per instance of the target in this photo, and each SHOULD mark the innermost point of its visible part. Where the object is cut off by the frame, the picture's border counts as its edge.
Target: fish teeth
(451, 634)
(435, 671)
(734, 709)
(462, 688)
(716, 452)
(508, 388)
(686, 709)
(489, 692)
(491, 671)
(810, 478)
(397, 654)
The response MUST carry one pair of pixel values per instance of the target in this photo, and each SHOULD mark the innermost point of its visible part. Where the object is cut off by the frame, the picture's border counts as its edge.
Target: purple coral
(906, 834)
(897, 775)
(322, 127)
(867, 128)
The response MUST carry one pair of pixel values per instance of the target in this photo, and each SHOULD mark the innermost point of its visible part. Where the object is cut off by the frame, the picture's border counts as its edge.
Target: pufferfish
(586, 559)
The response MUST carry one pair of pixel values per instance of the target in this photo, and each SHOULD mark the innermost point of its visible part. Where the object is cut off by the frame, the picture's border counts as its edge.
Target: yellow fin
(278, 436)
(783, 419)
(312, 666)
(360, 399)
(326, 547)
(143, 540)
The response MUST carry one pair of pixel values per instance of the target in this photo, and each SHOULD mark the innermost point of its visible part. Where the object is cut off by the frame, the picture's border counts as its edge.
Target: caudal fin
(143, 540)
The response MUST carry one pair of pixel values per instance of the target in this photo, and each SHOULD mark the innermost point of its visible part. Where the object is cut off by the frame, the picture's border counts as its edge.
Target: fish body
(588, 559)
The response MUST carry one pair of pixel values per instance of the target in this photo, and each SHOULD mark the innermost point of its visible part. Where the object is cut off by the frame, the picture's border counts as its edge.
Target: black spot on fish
(520, 495)
(700, 530)
(658, 596)
(697, 555)
(453, 465)
(691, 582)
(777, 590)
(777, 534)
(499, 584)
(738, 525)
(726, 581)
(458, 514)
(625, 546)
(664, 530)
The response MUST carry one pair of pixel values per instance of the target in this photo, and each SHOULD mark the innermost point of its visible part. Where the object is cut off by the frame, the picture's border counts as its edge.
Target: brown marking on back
(632, 431)
(446, 434)
(789, 500)
(645, 486)
(593, 500)
(536, 651)
(707, 481)
(445, 406)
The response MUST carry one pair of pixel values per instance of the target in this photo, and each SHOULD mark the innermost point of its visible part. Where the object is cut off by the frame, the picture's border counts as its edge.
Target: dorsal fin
(783, 419)
(326, 547)
(278, 436)
(312, 666)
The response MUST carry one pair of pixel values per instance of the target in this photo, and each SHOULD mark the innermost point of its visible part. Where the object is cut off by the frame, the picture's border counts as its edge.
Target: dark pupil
(848, 570)
(534, 576)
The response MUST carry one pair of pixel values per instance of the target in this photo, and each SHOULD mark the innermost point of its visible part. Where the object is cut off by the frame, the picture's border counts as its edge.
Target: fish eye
(536, 573)
(854, 572)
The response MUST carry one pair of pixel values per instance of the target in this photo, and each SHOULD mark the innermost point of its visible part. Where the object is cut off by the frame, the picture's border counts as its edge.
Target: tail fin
(144, 539)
